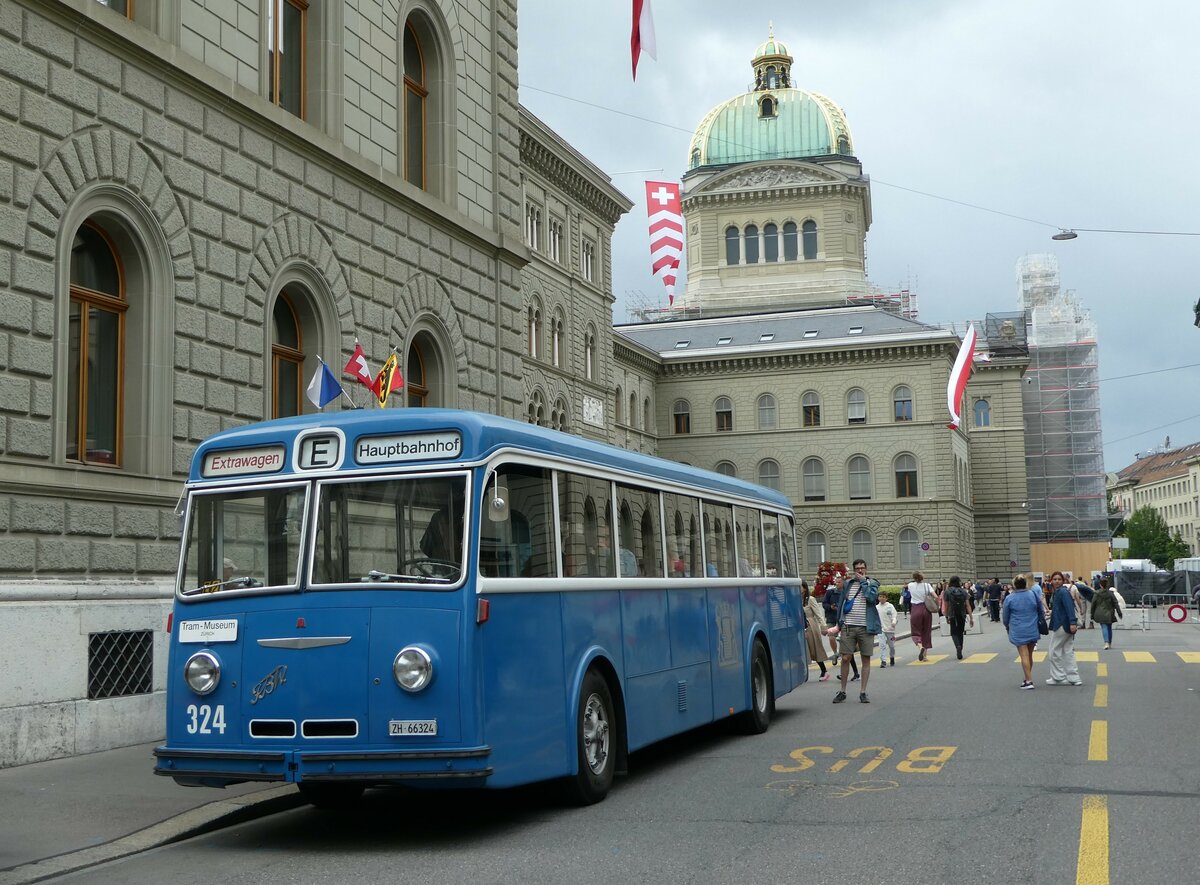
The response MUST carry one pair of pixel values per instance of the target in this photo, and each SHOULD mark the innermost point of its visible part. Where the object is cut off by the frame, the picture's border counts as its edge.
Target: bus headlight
(202, 672)
(412, 668)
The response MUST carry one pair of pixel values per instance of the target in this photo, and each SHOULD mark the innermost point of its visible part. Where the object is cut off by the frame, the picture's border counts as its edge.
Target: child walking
(887, 639)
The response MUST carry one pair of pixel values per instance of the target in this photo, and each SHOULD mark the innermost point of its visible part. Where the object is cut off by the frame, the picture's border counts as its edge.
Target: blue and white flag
(324, 387)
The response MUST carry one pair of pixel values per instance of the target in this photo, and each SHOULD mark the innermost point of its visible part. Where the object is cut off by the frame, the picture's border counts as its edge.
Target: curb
(196, 822)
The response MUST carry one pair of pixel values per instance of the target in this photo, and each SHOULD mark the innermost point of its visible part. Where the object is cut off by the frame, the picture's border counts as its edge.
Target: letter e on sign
(320, 451)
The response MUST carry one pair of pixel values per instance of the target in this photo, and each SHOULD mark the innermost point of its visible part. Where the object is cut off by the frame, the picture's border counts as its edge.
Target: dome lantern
(772, 64)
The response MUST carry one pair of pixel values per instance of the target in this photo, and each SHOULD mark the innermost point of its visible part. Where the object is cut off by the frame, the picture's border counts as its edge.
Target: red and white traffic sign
(1177, 613)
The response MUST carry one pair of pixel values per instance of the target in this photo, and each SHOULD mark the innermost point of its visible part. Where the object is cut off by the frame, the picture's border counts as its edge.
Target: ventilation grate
(120, 663)
(681, 691)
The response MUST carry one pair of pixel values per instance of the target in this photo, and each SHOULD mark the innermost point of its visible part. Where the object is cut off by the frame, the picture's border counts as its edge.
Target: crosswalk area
(1083, 657)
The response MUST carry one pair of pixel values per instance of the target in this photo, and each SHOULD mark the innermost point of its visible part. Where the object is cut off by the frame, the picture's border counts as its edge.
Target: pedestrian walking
(922, 617)
(858, 626)
(814, 630)
(1106, 611)
(906, 601)
(834, 618)
(1020, 613)
(887, 624)
(1064, 670)
(958, 610)
(994, 595)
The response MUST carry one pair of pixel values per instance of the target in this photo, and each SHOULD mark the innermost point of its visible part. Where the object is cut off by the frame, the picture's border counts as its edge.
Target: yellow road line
(929, 659)
(1098, 742)
(979, 658)
(1092, 866)
(1101, 670)
(1087, 657)
(1101, 696)
(1138, 657)
(1189, 657)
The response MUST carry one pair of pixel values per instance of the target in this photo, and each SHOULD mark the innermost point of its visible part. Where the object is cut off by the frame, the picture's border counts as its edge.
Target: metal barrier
(1155, 609)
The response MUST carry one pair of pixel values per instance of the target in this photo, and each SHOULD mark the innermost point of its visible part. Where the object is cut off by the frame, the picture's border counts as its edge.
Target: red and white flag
(357, 367)
(666, 232)
(958, 377)
(643, 33)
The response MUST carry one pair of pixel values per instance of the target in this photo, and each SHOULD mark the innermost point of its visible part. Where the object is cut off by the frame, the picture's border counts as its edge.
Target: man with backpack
(957, 609)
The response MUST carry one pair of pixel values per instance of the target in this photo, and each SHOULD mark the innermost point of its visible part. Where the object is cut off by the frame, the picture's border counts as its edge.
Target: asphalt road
(951, 775)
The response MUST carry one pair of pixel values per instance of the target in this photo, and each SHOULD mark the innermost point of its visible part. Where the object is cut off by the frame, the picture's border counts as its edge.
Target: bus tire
(595, 741)
(331, 797)
(757, 719)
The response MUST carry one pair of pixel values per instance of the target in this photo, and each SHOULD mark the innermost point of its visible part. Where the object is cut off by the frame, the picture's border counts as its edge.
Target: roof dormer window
(766, 107)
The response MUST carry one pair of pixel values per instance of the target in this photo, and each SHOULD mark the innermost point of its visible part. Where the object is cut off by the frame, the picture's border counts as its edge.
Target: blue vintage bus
(441, 597)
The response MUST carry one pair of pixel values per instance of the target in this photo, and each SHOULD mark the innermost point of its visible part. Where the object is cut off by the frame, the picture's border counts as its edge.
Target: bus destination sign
(408, 447)
(242, 462)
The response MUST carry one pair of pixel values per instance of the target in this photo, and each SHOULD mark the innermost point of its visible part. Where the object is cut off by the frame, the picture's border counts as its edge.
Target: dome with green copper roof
(773, 121)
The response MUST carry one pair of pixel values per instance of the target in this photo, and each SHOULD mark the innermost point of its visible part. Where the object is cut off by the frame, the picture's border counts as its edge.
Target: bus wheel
(757, 719)
(330, 797)
(595, 733)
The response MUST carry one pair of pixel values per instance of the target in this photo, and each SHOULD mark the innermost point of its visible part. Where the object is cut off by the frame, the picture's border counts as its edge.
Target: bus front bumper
(222, 768)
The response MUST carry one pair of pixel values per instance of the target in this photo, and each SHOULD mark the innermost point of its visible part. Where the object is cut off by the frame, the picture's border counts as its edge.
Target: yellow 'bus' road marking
(1189, 657)
(1087, 657)
(980, 658)
(1102, 669)
(1101, 696)
(1138, 657)
(1098, 742)
(1092, 866)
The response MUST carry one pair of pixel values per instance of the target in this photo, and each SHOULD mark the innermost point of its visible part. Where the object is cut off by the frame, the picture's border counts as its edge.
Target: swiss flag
(357, 367)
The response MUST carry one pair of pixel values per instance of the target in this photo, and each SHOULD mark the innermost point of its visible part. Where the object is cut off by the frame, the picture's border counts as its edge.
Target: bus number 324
(205, 719)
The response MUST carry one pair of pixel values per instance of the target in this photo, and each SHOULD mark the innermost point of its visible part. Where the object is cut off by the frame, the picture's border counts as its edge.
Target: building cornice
(803, 360)
(544, 153)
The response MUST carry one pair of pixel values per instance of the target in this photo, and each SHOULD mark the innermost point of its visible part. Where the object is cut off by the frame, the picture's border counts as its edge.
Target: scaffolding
(902, 303)
(1064, 453)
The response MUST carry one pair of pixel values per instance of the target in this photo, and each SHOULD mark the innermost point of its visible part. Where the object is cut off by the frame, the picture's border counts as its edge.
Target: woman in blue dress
(1020, 612)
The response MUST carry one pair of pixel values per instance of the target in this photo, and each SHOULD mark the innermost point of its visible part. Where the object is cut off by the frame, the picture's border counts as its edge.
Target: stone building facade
(187, 222)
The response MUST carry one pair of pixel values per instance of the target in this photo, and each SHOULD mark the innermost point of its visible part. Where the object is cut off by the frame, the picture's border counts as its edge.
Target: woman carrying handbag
(924, 603)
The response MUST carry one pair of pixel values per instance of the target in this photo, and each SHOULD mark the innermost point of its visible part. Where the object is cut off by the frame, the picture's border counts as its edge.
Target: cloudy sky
(1072, 113)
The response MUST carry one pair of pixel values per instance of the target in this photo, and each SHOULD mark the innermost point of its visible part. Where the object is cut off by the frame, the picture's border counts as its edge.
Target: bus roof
(482, 434)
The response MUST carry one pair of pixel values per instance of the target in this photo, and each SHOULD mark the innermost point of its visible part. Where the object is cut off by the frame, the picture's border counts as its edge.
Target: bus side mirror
(497, 504)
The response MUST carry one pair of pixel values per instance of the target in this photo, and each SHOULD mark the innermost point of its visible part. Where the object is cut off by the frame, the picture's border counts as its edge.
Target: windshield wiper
(376, 575)
(213, 587)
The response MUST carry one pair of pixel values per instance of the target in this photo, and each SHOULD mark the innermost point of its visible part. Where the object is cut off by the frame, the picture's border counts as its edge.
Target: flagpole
(341, 386)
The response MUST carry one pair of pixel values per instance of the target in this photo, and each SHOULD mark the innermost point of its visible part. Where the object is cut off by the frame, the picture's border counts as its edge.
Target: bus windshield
(406, 530)
(242, 539)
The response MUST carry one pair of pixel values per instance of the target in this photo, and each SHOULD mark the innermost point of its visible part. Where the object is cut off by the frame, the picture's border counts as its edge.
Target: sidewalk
(68, 813)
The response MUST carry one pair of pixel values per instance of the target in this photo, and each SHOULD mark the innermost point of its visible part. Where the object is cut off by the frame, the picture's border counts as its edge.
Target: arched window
(767, 417)
(814, 549)
(902, 401)
(287, 26)
(814, 479)
(767, 107)
(589, 353)
(772, 79)
(724, 414)
(771, 243)
(557, 332)
(534, 331)
(726, 468)
(790, 250)
(416, 97)
(647, 416)
(862, 546)
(416, 379)
(681, 413)
(619, 410)
(908, 549)
(768, 474)
(906, 476)
(752, 244)
(983, 413)
(810, 409)
(856, 406)
(858, 471)
(96, 341)
(287, 359)
(558, 417)
(633, 409)
(535, 412)
(809, 235)
(733, 245)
